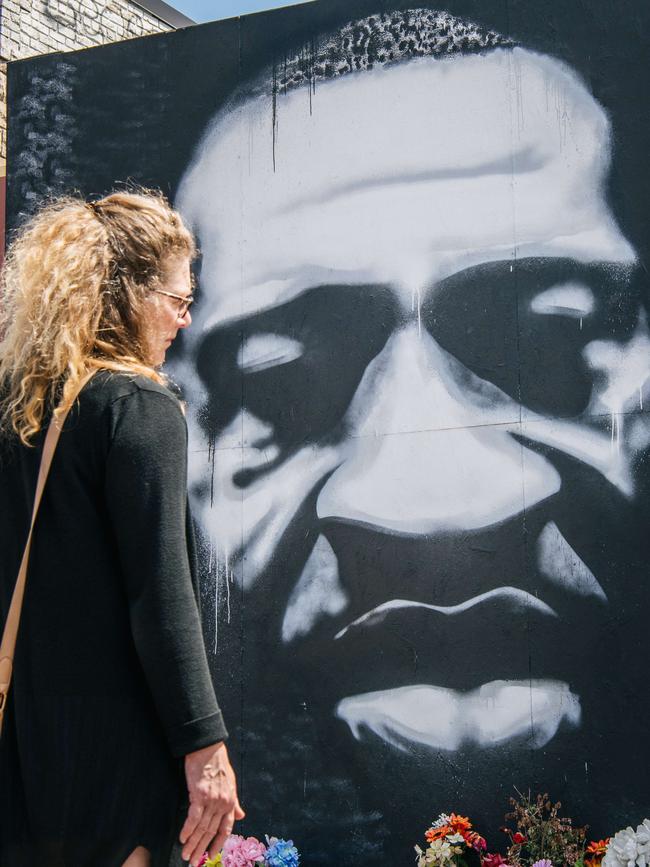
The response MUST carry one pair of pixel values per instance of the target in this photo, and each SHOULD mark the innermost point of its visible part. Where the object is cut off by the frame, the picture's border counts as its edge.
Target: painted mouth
(459, 657)
(400, 667)
(505, 633)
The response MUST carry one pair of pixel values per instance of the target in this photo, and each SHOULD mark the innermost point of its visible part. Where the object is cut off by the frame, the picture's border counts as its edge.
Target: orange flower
(598, 847)
(437, 833)
(459, 824)
(595, 852)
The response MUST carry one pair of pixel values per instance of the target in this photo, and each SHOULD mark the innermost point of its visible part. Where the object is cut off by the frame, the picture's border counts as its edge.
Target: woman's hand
(214, 806)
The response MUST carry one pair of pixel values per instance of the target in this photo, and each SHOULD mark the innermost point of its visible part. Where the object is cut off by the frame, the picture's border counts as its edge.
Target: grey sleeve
(146, 482)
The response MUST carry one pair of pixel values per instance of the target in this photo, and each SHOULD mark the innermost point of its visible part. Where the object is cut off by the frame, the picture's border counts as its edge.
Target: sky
(211, 10)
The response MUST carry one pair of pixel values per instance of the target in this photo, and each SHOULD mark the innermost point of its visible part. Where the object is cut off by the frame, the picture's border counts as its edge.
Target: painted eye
(262, 351)
(573, 300)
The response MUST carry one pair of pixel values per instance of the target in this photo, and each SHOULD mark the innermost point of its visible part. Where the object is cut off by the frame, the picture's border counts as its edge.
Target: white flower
(629, 849)
(622, 850)
(643, 837)
(455, 838)
(443, 819)
(439, 853)
(643, 843)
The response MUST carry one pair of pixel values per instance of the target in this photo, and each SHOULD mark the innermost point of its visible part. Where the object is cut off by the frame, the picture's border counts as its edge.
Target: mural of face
(415, 384)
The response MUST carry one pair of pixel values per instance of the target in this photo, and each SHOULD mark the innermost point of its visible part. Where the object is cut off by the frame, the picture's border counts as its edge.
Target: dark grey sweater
(111, 679)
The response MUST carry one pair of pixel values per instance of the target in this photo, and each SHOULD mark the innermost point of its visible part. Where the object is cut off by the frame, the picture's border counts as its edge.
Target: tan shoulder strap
(10, 632)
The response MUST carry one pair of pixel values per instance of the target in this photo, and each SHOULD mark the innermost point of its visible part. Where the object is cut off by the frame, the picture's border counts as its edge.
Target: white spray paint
(405, 203)
(557, 561)
(626, 370)
(446, 719)
(514, 599)
(574, 300)
(318, 593)
(262, 351)
(443, 474)
(429, 445)
(216, 603)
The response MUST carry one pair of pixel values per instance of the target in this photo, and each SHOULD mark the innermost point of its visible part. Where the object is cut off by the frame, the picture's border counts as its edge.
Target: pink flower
(476, 841)
(242, 852)
(495, 860)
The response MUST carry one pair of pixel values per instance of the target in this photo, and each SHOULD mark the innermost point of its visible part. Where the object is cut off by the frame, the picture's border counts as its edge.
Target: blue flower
(281, 853)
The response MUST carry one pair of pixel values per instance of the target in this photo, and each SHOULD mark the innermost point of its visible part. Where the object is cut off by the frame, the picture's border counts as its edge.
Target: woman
(111, 696)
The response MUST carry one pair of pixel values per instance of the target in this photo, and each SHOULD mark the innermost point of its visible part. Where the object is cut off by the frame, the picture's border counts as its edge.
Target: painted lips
(500, 666)
(458, 657)
(513, 596)
(444, 717)
(504, 633)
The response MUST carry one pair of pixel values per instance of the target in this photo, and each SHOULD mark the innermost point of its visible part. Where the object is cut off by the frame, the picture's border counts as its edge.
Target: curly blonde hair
(73, 289)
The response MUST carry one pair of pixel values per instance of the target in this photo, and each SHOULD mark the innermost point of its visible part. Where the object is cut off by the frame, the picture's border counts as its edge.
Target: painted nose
(430, 447)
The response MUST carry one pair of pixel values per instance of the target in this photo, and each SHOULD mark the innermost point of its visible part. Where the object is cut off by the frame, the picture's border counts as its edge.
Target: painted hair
(384, 39)
(73, 289)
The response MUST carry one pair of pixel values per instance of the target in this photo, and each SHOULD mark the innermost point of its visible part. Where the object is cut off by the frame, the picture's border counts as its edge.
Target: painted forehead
(374, 42)
(459, 131)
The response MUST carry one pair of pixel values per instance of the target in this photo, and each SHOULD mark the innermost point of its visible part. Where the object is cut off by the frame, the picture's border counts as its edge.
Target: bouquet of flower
(241, 851)
(449, 840)
(541, 837)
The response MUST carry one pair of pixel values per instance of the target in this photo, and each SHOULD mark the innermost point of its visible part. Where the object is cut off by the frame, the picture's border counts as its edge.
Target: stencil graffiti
(416, 380)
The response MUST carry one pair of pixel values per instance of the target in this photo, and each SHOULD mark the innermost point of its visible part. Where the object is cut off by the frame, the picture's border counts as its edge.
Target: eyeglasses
(184, 306)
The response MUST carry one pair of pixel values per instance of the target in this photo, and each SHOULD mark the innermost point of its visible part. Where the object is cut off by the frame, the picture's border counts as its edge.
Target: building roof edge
(164, 12)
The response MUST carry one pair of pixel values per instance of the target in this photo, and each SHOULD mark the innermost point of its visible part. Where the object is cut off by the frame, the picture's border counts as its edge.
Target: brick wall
(29, 27)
